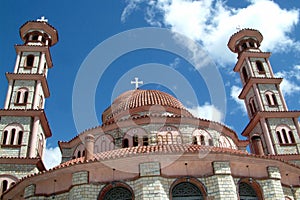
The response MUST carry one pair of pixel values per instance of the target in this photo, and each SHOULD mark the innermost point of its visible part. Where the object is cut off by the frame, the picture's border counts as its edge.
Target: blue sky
(84, 27)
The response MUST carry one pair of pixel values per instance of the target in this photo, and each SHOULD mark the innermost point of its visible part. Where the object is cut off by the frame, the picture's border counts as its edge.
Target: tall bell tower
(23, 123)
(272, 130)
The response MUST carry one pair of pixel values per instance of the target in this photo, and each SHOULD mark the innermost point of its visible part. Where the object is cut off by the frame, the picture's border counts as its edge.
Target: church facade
(149, 145)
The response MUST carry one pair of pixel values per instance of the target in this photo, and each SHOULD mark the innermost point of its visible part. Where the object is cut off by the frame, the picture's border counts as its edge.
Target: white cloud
(52, 157)
(234, 93)
(290, 84)
(212, 22)
(207, 111)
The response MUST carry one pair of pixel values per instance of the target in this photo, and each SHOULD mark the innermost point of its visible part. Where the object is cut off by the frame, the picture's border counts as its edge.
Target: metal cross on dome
(137, 82)
(43, 19)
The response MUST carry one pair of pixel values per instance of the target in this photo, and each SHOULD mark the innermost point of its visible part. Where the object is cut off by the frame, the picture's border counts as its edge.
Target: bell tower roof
(42, 26)
(241, 35)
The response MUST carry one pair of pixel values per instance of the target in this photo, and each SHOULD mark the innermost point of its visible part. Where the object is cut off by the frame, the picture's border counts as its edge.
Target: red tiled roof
(139, 98)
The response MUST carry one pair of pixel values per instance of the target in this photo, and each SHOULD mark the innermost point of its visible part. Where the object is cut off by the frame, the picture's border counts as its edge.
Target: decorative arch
(168, 135)
(256, 145)
(135, 137)
(202, 137)
(12, 134)
(78, 152)
(252, 106)
(29, 61)
(6, 181)
(104, 143)
(249, 189)
(285, 135)
(260, 67)
(271, 98)
(224, 142)
(22, 96)
(187, 188)
(116, 191)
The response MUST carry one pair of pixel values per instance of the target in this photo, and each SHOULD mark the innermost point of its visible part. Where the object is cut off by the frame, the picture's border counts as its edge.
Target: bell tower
(23, 123)
(272, 130)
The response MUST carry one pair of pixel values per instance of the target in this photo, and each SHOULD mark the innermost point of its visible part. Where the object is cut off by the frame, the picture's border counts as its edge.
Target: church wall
(150, 185)
(18, 170)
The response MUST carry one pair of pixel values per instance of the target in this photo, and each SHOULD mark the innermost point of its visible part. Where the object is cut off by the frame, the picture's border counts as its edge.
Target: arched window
(194, 140)
(78, 150)
(29, 61)
(252, 106)
(244, 45)
(279, 137)
(285, 135)
(257, 146)
(187, 188)
(125, 143)
(246, 192)
(22, 96)
(83, 153)
(12, 136)
(260, 67)
(245, 75)
(4, 185)
(5, 134)
(292, 137)
(20, 136)
(274, 99)
(135, 140)
(116, 191)
(271, 98)
(145, 141)
(169, 138)
(25, 97)
(202, 140)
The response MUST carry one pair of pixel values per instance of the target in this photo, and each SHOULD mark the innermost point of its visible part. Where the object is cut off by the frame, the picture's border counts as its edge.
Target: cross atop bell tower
(272, 128)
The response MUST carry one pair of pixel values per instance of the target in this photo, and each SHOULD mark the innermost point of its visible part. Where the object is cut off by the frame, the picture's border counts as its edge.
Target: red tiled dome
(136, 101)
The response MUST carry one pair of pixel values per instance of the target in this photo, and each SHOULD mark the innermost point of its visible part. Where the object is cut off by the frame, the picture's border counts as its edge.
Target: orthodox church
(149, 146)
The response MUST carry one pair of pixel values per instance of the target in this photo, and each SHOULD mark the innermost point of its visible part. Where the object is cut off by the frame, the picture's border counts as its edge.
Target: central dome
(138, 102)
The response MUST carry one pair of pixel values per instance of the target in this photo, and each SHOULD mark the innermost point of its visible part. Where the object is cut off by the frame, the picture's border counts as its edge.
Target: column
(34, 137)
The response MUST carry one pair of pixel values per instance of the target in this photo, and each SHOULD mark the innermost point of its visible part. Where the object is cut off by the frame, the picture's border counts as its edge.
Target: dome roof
(134, 102)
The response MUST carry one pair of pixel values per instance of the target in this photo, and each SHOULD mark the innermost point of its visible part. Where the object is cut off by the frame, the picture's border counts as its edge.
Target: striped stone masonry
(274, 172)
(29, 191)
(221, 167)
(150, 169)
(81, 177)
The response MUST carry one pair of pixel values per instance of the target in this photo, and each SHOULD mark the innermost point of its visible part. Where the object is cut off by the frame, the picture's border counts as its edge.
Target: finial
(43, 19)
(137, 82)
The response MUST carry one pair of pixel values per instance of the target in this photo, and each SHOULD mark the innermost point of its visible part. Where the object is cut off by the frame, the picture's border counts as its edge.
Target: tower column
(258, 97)
(267, 136)
(36, 95)
(34, 137)
(42, 61)
(17, 62)
(8, 96)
